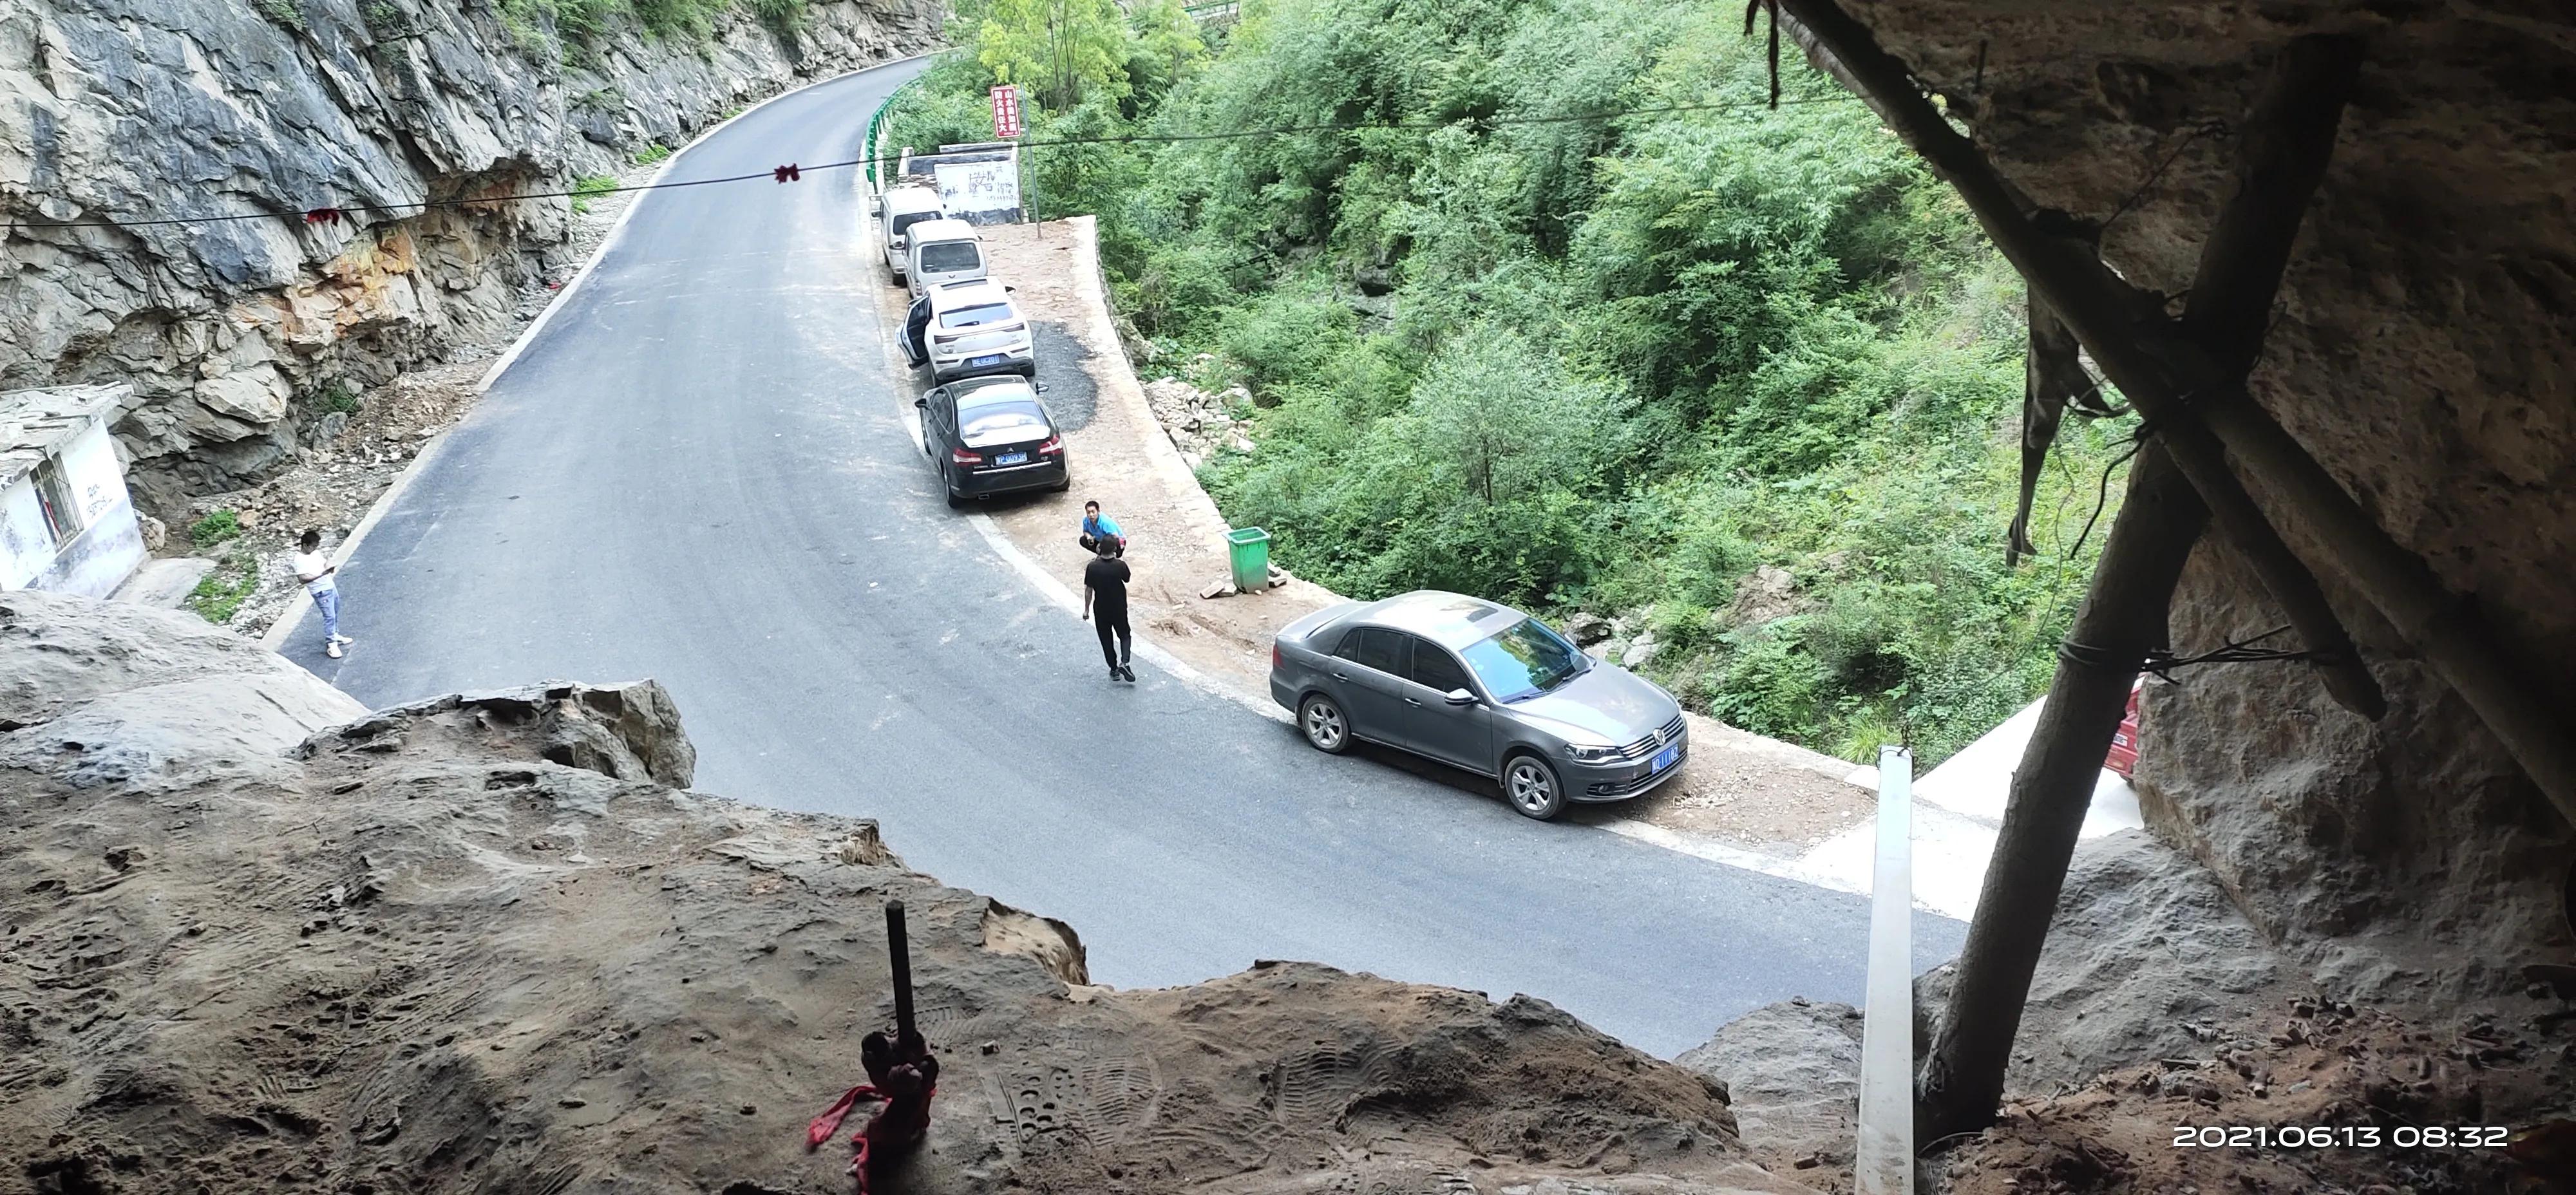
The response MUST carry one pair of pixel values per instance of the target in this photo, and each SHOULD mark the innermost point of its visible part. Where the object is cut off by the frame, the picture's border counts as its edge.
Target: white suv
(962, 329)
(897, 211)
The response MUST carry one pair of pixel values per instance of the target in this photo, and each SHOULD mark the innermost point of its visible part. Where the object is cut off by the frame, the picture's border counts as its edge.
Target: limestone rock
(1792, 1075)
(145, 109)
(1768, 593)
(2146, 947)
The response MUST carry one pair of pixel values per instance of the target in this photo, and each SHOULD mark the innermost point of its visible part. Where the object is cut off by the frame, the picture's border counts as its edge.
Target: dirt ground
(331, 482)
(2311, 1096)
(1745, 790)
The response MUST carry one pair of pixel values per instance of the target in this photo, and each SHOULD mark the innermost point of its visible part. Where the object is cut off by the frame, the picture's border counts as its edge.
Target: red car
(2124, 745)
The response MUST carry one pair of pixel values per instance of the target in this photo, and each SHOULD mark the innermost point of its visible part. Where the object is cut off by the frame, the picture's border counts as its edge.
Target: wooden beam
(2284, 145)
(2122, 618)
(2195, 403)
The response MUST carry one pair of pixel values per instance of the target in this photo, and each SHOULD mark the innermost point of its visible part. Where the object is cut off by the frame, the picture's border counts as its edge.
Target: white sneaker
(332, 651)
(342, 639)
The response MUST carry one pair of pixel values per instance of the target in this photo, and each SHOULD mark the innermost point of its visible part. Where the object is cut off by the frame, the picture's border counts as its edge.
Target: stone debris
(1200, 424)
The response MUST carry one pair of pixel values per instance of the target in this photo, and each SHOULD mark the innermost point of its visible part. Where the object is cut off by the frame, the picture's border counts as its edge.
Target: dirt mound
(2310, 1096)
(481, 944)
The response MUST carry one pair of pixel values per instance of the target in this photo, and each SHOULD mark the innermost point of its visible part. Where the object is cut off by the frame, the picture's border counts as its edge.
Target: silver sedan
(1478, 686)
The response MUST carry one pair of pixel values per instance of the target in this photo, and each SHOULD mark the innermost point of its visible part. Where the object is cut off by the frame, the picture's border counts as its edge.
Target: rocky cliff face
(2423, 348)
(136, 110)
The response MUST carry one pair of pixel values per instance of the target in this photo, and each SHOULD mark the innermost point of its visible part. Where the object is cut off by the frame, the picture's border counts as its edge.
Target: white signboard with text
(987, 189)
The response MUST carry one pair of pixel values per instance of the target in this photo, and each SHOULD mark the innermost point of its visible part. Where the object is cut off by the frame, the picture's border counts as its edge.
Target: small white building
(66, 522)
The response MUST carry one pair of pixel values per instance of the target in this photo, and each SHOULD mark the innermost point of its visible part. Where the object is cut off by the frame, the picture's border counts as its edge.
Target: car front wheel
(1326, 728)
(1532, 788)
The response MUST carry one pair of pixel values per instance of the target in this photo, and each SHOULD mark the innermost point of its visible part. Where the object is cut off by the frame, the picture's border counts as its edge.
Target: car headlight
(1583, 754)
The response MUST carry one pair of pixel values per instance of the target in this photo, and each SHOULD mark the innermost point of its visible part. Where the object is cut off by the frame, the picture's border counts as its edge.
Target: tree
(1061, 48)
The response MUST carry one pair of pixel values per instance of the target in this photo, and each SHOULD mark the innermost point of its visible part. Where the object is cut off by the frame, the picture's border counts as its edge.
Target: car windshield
(1007, 418)
(976, 316)
(947, 256)
(1524, 660)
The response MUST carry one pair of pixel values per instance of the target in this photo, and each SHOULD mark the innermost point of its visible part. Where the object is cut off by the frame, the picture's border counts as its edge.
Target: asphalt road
(698, 472)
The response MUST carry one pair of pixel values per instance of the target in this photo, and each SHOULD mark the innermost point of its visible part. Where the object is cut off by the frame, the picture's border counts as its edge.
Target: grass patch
(589, 187)
(336, 395)
(220, 594)
(282, 13)
(652, 153)
(217, 527)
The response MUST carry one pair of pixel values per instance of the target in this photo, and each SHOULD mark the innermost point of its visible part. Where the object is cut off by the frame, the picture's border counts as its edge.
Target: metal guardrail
(1221, 10)
(1883, 1162)
(875, 137)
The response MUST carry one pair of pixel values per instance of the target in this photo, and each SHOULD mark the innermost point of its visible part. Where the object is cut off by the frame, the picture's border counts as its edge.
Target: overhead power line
(792, 172)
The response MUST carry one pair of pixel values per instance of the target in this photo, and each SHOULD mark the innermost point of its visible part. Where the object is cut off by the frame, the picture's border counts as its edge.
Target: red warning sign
(1006, 112)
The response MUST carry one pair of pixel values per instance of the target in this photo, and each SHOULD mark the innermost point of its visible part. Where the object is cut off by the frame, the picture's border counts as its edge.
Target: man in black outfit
(1104, 588)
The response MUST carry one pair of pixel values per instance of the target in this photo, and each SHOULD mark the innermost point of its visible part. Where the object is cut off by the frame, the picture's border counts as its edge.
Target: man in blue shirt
(1097, 527)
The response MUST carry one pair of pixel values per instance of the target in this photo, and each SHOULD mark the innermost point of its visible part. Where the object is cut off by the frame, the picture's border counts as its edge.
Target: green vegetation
(224, 588)
(285, 14)
(589, 187)
(535, 24)
(1609, 365)
(336, 396)
(650, 154)
(217, 527)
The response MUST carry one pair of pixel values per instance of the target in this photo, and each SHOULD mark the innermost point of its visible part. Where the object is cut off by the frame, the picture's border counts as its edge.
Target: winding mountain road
(699, 472)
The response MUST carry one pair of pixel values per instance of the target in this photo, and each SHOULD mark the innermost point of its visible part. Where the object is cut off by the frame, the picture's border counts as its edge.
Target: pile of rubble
(1200, 424)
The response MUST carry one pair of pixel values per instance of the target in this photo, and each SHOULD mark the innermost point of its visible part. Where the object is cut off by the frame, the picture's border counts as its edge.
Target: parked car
(991, 435)
(941, 250)
(961, 329)
(1480, 686)
(897, 210)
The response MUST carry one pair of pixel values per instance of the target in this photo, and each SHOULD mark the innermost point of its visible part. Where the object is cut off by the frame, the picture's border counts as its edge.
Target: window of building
(54, 496)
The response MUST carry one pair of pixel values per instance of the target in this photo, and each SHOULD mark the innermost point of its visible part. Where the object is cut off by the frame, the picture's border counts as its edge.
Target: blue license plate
(986, 359)
(1012, 458)
(1664, 758)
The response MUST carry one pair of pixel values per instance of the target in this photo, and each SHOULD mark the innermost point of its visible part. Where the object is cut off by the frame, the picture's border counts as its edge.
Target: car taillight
(960, 456)
(1276, 660)
(1054, 445)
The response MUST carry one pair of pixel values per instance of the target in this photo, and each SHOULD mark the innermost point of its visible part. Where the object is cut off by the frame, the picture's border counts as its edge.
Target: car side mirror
(1010, 290)
(1459, 697)
(1040, 387)
(923, 402)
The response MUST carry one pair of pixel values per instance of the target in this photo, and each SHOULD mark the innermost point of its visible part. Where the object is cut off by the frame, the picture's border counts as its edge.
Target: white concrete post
(1884, 1161)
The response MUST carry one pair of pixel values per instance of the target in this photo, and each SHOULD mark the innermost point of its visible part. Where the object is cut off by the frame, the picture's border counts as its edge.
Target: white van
(897, 211)
(939, 251)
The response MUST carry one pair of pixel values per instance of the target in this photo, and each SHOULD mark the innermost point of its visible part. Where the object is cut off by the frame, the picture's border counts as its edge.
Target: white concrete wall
(110, 544)
(25, 548)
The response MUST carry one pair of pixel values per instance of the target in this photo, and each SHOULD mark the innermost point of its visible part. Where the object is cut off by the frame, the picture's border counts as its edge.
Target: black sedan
(991, 435)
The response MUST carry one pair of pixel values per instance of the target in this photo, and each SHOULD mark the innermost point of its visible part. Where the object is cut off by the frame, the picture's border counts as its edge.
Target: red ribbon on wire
(786, 174)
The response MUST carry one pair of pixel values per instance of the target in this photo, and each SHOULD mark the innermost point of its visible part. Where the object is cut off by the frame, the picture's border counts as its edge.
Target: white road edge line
(298, 604)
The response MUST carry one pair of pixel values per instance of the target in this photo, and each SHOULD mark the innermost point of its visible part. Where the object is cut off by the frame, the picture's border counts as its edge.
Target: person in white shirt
(315, 569)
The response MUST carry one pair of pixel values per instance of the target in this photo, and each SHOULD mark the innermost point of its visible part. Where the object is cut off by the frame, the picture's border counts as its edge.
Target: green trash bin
(1250, 549)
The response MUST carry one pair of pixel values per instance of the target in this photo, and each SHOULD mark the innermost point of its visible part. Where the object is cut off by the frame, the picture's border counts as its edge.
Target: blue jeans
(328, 602)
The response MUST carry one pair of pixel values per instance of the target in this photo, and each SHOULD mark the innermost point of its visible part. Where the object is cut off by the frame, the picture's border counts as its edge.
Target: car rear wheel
(1532, 788)
(1326, 728)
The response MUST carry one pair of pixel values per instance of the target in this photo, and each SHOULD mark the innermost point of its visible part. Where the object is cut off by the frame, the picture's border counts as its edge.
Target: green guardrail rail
(876, 126)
